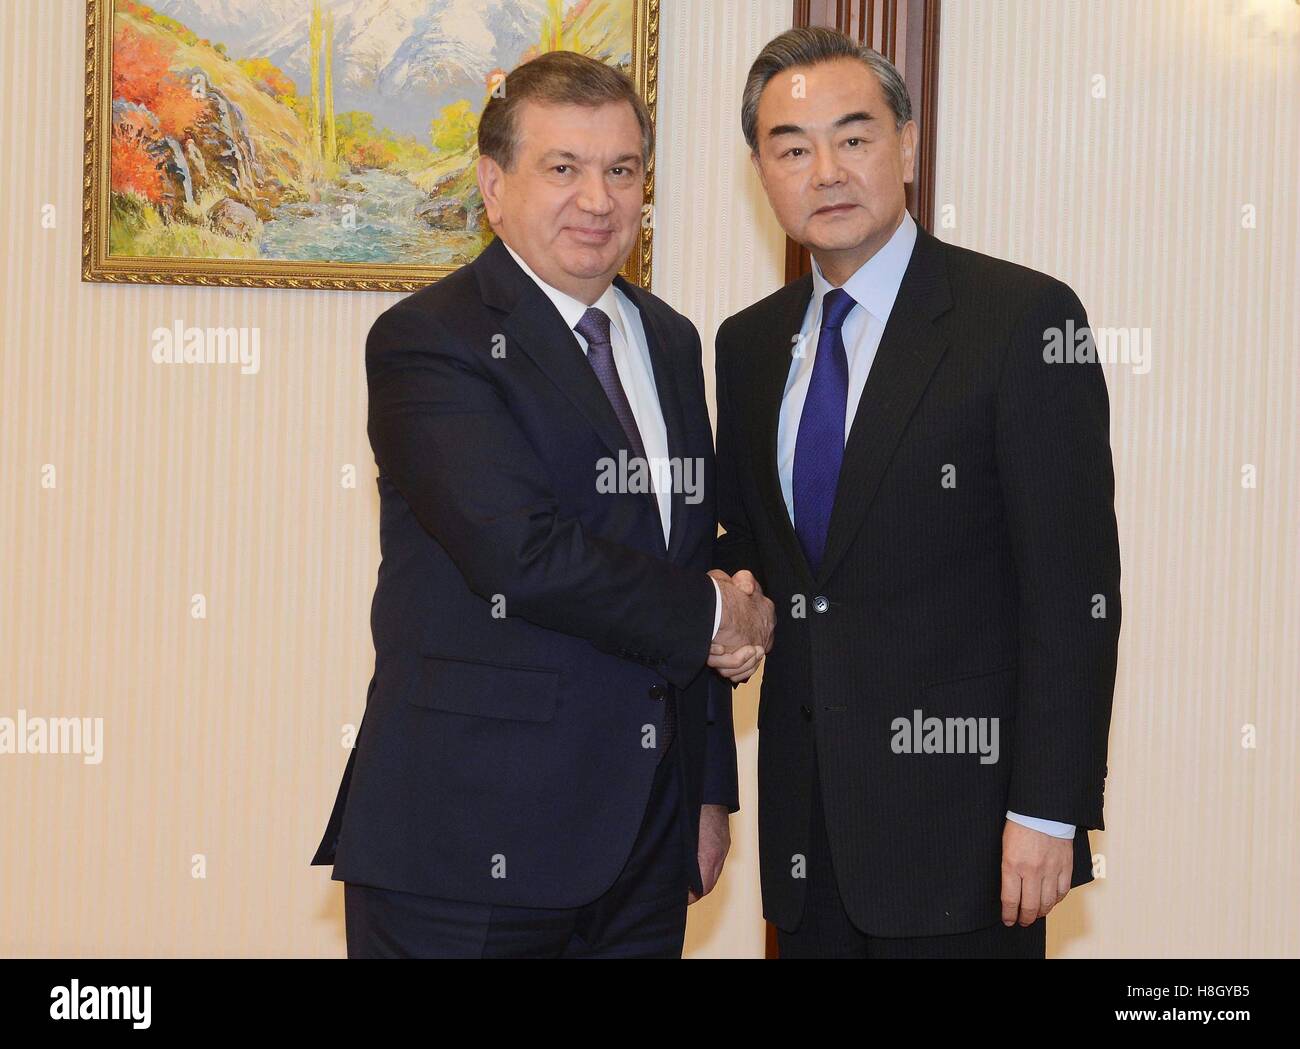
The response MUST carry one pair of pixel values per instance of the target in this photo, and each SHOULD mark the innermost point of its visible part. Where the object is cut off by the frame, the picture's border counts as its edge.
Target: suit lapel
(771, 372)
(910, 349)
(534, 323)
(664, 363)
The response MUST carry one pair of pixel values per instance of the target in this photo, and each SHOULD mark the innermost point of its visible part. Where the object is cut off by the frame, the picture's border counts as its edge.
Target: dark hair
(808, 46)
(558, 78)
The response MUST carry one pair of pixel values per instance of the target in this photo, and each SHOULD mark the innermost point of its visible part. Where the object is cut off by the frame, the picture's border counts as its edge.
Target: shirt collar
(572, 309)
(874, 285)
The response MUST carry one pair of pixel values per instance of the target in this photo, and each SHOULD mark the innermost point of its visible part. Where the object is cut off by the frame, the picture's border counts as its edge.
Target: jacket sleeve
(1058, 488)
(721, 783)
(736, 548)
(444, 436)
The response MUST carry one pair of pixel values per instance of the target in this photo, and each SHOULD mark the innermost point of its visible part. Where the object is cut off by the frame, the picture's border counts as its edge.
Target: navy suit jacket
(972, 535)
(529, 628)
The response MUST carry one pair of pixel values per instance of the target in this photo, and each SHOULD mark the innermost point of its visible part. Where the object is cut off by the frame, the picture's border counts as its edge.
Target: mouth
(835, 209)
(590, 235)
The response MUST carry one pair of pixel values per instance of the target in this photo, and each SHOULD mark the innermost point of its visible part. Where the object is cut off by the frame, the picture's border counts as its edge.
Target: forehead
(608, 129)
(806, 95)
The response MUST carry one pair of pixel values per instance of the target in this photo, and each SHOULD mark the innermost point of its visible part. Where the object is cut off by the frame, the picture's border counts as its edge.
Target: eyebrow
(860, 117)
(566, 155)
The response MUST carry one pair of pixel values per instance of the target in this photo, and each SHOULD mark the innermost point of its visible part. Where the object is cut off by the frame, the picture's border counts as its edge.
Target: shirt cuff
(1056, 830)
(717, 605)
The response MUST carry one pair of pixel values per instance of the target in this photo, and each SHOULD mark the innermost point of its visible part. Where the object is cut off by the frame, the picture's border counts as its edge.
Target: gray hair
(808, 46)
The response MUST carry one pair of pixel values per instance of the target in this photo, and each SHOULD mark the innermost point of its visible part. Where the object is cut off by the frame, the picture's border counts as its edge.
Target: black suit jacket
(972, 599)
(527, 626)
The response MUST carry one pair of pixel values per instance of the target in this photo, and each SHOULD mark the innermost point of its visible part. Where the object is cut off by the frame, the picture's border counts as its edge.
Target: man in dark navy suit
(926, 491)
(545, 767)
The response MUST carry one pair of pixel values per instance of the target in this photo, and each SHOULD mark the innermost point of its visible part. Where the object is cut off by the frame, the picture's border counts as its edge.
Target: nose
(827, 170)
(593, 197)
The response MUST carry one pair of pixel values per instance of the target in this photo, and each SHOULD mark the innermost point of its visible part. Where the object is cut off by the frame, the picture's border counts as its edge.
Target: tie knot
(835, 307)
(594, 327)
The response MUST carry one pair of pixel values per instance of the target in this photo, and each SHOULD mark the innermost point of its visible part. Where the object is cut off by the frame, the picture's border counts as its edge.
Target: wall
(223, 734)
(1135, 199)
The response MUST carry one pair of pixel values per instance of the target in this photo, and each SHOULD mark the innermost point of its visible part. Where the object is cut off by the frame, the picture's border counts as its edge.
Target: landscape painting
(313, 143)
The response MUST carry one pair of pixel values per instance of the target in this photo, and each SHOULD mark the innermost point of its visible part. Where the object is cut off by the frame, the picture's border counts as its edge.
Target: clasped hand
(748, 624)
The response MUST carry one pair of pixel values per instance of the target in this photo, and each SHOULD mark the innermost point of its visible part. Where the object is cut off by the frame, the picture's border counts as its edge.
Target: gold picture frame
(99, 264)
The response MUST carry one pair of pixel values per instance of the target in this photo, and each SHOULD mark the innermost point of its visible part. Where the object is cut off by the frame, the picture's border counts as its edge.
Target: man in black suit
(926, 492)
(540, 770)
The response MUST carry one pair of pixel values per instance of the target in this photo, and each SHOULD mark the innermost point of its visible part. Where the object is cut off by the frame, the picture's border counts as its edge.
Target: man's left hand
(715, 842)
(1036, 870)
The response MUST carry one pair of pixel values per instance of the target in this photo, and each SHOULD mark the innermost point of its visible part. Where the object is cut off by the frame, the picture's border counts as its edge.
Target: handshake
(745, 632)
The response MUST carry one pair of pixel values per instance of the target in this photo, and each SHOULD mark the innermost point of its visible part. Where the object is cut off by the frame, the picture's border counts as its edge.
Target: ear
(907, 139)
(758, 167)
(490, 178)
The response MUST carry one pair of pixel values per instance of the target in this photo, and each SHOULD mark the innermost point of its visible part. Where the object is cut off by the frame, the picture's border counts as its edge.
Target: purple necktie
(594, 327)
(819, 446)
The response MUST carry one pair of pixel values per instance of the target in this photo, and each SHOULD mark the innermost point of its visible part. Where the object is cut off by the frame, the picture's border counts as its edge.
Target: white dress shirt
(873, 287)
(631, 352)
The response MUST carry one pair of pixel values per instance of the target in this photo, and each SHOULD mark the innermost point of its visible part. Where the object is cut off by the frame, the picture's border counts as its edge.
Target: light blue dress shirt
(874, 287)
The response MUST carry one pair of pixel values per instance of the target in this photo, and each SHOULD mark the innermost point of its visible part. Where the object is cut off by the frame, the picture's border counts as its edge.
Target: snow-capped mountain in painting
(400, 60)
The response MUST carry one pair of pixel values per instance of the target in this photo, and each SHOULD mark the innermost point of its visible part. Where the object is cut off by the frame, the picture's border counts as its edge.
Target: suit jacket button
(806, 711)
(657, 692)
(820, 603)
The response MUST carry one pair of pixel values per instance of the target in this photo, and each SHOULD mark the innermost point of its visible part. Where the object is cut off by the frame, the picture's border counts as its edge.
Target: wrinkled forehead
(604, 134)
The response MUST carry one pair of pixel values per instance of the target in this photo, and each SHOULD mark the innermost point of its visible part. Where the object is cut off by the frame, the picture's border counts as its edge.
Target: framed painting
(314, 143)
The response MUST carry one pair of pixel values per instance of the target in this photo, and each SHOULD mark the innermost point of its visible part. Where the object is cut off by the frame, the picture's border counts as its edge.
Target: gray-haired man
(927, 497)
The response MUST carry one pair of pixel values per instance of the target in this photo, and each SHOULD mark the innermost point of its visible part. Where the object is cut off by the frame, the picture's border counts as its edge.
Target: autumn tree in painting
(141, 77)
(455, 129)
(320, 61)
(133, 168)
(331, 133)
(268, 78)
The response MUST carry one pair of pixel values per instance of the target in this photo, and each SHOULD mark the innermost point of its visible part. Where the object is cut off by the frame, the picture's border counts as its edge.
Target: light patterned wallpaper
(127, 488)
(1149, 155)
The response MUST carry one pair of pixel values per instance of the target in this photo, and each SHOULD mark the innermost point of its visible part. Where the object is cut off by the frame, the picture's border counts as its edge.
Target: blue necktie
(819, 446)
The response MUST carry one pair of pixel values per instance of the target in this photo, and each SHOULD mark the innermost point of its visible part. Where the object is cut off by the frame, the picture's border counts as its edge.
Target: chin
(841, 240)
(585, 267)
(589, 264)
